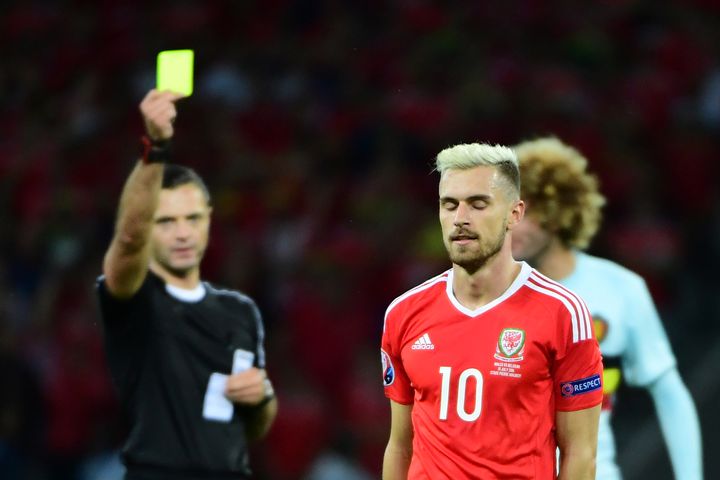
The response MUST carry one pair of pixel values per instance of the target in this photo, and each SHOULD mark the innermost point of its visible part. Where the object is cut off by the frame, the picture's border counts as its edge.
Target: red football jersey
(485, 384)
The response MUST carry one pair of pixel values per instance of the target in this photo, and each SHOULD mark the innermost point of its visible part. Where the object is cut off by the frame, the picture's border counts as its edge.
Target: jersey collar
(519, 281)
(184, 295)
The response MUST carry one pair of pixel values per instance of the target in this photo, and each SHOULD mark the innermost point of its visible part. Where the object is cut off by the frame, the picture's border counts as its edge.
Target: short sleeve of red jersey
(395, 380)
(577, 370)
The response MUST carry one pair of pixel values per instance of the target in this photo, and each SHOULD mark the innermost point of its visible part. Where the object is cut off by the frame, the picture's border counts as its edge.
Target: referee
(186, 357)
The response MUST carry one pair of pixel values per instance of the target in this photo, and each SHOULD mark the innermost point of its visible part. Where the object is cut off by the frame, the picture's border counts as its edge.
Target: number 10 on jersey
(462, 412)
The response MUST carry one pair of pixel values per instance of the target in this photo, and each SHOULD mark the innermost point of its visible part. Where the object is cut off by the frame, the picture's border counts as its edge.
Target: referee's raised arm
(126, 260)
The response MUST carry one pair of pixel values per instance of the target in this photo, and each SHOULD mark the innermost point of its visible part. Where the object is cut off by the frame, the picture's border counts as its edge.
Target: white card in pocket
(242, 360)
(216, 406)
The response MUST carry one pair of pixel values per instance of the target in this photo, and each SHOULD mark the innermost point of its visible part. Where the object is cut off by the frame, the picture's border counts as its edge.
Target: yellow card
(175, 71)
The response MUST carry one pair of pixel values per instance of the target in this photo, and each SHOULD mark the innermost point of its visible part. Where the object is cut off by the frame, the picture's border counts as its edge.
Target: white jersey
(632, 338)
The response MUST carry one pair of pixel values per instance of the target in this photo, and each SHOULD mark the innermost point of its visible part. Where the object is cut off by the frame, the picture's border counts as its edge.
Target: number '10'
(461, 386)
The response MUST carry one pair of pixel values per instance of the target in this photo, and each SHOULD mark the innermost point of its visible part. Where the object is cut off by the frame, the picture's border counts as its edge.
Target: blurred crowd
(315, 124)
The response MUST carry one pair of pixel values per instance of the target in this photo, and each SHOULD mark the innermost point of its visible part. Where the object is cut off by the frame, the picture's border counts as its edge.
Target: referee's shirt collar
(184, 295)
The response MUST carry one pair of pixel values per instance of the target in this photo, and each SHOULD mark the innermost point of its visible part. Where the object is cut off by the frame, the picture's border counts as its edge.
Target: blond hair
(560, 193)
(469, 155)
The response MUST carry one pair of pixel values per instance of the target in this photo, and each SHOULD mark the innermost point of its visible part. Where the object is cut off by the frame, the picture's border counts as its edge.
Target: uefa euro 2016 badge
(387, 368)
(511, 345)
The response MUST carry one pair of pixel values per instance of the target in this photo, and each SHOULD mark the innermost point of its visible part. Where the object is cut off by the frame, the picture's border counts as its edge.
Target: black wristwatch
(269, 394)
(154, 151)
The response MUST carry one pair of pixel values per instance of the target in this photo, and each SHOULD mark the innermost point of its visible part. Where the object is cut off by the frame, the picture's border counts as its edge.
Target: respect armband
(154, 151)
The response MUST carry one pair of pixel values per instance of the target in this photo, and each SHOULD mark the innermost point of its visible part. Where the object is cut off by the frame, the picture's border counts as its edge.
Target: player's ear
(517, 212)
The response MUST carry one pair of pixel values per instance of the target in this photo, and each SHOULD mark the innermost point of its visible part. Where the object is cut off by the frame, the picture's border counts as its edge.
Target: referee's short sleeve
(116, 311)
(260, 335)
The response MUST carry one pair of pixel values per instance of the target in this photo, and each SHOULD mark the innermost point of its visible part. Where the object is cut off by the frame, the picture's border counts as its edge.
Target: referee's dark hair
(177, 175)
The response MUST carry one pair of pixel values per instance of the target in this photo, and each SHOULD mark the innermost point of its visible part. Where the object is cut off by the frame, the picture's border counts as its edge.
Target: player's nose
(461, 215)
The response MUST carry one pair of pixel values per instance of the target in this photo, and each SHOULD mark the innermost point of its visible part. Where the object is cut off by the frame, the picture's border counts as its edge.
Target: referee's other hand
(247, 387)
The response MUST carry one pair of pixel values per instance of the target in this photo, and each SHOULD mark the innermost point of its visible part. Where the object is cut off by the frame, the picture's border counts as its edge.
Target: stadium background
(315, 124)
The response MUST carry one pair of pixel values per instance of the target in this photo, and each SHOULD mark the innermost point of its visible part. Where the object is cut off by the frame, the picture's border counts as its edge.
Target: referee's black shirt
(161, 352)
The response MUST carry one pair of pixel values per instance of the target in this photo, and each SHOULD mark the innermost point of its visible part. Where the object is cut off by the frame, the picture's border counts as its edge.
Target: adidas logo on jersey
(423, 343)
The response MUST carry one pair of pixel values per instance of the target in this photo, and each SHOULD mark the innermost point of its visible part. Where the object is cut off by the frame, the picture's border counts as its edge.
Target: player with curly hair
(563, 215)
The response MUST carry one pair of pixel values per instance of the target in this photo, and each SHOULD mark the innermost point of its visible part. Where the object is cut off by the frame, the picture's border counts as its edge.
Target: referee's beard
(178, 265)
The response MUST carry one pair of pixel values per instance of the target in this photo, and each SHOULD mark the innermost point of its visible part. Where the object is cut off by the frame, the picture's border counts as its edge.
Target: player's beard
(475, 255)
(532, 247)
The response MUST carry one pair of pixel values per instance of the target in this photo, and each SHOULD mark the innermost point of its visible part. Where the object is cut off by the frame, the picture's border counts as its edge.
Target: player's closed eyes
(448, 205)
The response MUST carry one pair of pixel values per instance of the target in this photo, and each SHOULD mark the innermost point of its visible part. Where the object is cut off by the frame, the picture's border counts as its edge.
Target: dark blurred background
(315, 124)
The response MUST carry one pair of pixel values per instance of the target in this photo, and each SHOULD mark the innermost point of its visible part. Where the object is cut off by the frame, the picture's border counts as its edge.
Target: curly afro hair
(560, 193)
